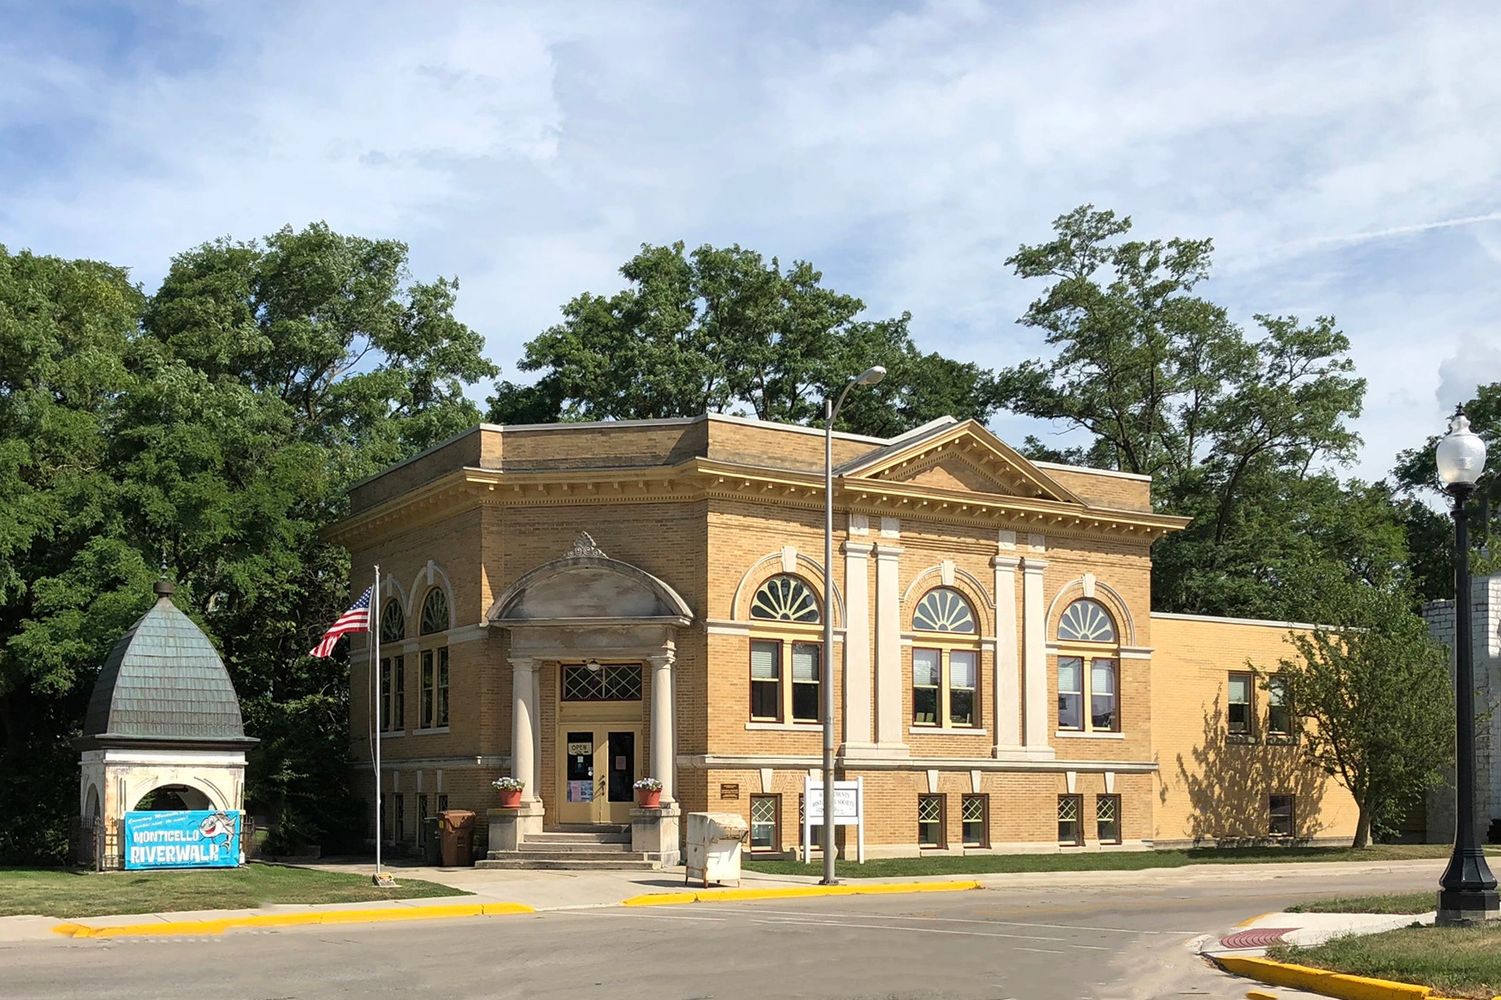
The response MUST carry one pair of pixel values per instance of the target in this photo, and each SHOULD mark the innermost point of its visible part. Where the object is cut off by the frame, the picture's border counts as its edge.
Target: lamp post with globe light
(870, 376)
(1467, 890)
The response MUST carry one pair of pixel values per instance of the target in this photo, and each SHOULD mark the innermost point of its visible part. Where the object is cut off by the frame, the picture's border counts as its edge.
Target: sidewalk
(510, 891)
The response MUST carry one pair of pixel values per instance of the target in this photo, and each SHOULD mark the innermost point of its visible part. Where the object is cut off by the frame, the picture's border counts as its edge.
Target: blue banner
(182, 838)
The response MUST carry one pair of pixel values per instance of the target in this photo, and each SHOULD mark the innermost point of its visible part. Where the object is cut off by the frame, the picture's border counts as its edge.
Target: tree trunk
(1362, 828)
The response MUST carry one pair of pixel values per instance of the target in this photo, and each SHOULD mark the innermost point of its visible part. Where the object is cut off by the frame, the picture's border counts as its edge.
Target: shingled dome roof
(164, 683)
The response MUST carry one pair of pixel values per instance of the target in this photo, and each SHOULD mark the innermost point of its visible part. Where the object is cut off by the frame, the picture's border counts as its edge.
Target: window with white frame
(786, 668)
(765, 822)
(1088, 669)
(1279, 711)
(434, 660)
(975, 820)
(930, 821)
(945, 662)
(393, 627)
(1239, 705)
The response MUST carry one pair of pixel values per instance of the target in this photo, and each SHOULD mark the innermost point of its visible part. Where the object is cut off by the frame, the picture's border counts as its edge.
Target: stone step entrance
(574, 847)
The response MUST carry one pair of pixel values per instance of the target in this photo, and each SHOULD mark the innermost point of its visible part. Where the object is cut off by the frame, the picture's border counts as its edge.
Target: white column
(662, 764)
(857, 701)
(524, 724)
(1007, 683)
(1034, 654)
(889, 701)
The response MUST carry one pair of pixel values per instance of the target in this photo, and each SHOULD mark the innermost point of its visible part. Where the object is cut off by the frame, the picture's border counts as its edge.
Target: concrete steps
(574, 848)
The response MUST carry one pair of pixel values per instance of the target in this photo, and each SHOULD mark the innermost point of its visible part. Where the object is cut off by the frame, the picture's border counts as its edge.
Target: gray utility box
(714, 841)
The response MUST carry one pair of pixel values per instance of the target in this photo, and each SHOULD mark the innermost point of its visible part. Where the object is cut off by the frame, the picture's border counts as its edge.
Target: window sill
(786, 727)
(392, 732)
(948, 731)
(431, 731)
(1076, 734)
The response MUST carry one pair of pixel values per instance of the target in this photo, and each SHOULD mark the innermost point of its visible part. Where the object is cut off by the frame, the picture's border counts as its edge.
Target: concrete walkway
(563, 890)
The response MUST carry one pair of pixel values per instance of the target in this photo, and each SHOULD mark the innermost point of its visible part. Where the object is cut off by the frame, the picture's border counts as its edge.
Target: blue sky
(1344, 157)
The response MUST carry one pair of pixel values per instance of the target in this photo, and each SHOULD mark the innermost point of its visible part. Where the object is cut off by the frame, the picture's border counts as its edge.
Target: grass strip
(61, 893)
(980, 864)
(1395, 902)
(1454, 961)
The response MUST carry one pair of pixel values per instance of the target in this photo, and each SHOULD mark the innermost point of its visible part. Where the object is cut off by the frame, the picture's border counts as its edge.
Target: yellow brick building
(581, 605)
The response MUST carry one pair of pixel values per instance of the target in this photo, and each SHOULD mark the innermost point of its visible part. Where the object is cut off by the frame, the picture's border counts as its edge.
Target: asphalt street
(1036, 944)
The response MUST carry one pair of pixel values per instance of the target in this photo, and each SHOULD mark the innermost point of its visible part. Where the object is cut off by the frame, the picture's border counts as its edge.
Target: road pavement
(1112, 942)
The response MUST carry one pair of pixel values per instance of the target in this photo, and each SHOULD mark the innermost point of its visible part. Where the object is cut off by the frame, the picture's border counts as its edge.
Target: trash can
(714, 847)
(458, 837)
(432, 846)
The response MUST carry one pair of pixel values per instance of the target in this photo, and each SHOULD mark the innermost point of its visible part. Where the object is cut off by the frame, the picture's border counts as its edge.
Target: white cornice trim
(1137, 476)
(914, 764)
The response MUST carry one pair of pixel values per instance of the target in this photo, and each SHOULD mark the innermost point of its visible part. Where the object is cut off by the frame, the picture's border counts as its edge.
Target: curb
(219, 926)
(795, 892)
(1333, 984)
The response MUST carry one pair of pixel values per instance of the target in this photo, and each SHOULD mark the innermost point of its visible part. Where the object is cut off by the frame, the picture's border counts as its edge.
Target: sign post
(849, 810)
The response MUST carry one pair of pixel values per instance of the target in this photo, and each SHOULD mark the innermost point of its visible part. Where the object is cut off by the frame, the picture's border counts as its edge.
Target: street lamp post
(870, 376)
(1467, 890)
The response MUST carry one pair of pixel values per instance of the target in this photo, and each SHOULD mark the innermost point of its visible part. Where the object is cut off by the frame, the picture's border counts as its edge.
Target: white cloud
(1344, 157)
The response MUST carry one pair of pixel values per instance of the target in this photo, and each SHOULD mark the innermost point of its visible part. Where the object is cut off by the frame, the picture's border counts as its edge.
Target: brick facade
(712, 508)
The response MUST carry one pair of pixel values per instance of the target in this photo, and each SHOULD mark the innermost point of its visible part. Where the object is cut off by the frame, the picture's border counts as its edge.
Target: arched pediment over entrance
(587, 586)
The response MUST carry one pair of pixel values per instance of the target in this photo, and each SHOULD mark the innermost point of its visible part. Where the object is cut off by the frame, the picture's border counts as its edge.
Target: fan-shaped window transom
(393, 622)
(785, 599)
(1086, 620)
(943, 609)
(435, 612)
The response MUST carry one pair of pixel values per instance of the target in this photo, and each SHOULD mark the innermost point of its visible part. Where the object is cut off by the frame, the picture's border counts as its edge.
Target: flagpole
(374, 619)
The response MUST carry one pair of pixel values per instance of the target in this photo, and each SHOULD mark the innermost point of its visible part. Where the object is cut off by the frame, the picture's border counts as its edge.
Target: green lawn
(1455, 961)
(979, 864)
(1396, 902)
(58, 893)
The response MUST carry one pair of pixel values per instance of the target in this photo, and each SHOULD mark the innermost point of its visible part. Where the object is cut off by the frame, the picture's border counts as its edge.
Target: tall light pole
(1467, 890)
(869, 376)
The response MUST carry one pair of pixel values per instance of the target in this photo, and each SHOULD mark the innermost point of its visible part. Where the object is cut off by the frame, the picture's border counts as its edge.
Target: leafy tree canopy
(1375, 686)
(724, 330)
(1234, 430)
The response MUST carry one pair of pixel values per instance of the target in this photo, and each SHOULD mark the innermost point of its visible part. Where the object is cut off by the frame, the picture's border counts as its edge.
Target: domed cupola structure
(163, 727)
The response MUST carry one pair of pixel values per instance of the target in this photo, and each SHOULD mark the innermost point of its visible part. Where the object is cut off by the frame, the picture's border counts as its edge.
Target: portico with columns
(606, 631)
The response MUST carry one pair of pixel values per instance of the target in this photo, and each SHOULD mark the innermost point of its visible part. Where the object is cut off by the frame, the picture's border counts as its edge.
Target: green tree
(1376, 688)
(1235, 430)
(724, 330)
(1428, 523)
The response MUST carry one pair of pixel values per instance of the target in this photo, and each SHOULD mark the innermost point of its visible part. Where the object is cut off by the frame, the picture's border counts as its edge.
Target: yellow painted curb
(1251, 920)
(1260, 995)
(189, 928)
(1333, 984)
(793, 892)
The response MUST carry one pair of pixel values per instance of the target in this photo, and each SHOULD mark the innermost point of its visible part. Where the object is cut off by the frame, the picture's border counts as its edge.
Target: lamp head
(1460, 456)
(871, 375)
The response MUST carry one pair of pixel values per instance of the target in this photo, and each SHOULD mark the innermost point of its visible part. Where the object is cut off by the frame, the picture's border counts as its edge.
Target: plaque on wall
(727, 791)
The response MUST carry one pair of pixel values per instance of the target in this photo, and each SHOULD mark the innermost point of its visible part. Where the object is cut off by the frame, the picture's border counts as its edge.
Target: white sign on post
(849, 810)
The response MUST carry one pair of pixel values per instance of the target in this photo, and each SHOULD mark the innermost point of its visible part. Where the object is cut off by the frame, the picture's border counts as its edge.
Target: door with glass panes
(599, 741)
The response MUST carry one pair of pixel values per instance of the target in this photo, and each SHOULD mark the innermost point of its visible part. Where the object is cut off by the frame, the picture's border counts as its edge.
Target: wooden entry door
(600, 767)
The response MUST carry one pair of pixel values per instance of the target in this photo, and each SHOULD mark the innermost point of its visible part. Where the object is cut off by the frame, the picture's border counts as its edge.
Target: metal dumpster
(458, 837)
(714, 847)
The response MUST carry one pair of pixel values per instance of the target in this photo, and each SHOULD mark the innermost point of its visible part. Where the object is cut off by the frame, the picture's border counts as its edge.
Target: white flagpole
(374, 620)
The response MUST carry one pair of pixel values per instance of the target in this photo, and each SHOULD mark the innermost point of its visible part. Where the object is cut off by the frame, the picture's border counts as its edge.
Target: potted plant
(510, 791)
(649, 793)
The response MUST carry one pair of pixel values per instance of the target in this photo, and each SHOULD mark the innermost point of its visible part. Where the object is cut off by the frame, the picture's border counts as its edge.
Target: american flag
(356, 619)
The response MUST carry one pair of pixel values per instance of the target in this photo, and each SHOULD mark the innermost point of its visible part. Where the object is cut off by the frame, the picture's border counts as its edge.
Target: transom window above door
(786, 598)
(593, 681)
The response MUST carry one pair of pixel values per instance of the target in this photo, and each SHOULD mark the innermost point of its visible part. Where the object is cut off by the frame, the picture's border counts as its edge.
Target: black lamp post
(1467, 890)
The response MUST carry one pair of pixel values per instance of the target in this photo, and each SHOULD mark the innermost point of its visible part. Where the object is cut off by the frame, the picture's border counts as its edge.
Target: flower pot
(510, 799)
(649, 800)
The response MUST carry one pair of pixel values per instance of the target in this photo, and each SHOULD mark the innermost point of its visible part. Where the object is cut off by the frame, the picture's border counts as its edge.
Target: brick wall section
(1208, 786)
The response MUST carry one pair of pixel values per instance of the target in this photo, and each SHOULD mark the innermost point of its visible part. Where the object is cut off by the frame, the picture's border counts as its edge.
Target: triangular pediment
(962, 457)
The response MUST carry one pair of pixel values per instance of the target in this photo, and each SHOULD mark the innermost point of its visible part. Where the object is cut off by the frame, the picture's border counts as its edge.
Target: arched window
(1086, 620)
(393, 622)
(435, 612)
(943, 609)
(786, 656)
(434, 659)
(786, 599)
(946, 666)
(1088, 669)
(393, 669)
